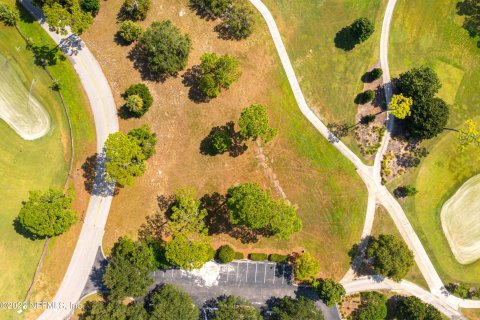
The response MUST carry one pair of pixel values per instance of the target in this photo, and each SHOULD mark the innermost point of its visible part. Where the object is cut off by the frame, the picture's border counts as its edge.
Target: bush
(238, 256)
(129, 31)
(225, 254)
(365, 97)
(237, 24)
(8, 15)
(405, 191)
(278, 258)
(136, 9)
(258, 256)
(362, 29)
(165, 49)
(375, 74)
(92, 6)
(142, 91)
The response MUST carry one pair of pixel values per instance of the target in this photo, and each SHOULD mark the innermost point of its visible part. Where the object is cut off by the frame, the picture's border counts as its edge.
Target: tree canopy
(300, 308)
(233, 307)
(60, 15)
(217, 73)
(125, 158)
(373, 306)
(420, 84)
(252, 207)
(135, 9)
(129, 31)
(8, 14)
(99, 310)
(189, 251)
(362, 29)
(187, 216)
(306, 267)
(237, 23)
(127, 273)
(391, 256)
(172, 303)
(145, 139)
(165, 48)
(400, 106)
(211, 8)
(428, 118)
(47, 214)
(329, 291)
(471, 10)
(412, 308)
(142, 91)
(254, 123)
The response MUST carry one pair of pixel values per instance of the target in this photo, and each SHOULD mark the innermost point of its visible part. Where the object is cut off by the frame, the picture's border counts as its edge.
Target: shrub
(142, 91)
(278, 258)
(405, 191)
(8, 15)
(365, 97)
(237, 24)
(258, 256)
(375, 74)
(92, 6)
(136, 9)
(238, 256)
(129, 31)
(225, 254)
(306, 267)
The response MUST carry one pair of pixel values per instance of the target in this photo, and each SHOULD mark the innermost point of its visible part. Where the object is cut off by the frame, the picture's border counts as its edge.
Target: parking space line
(265, 274)
(228, 270)
(256, 265)
(274, 270)
(172, 273)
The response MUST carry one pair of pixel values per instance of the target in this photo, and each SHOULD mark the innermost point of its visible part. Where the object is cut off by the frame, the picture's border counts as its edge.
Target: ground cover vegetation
(179, 117)
(450, 51)
(43, 163)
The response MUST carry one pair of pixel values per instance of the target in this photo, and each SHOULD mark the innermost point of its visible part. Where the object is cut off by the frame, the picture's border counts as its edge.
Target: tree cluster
(126, 154)
(252, 207)
(217, 73)
(429, 114)
(391, 256)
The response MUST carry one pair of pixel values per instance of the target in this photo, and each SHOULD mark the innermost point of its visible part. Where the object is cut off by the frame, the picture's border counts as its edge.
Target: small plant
(278, 258)
(129, 31)
(225, 254)
(258, 256)
(365, 97)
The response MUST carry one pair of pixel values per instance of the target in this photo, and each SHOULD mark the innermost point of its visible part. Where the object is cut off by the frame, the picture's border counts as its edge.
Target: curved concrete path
(106, 122)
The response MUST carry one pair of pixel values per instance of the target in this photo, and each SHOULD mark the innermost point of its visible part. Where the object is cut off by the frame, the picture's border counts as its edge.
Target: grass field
(383, 224)
(429, 32)
(38, 164)
(325, 187)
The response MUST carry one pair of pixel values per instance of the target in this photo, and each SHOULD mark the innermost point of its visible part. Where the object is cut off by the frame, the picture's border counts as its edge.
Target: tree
(47, 214)
(421, 84)
(362, 29)
(365, 97)
(329, 291)
(92, 6)
(165, 48)
(71, 15)
(8, 15)
(225, 254)
(306, 267)
(136, 9)
(285, 221)
(428, 118)
(391, 256)
(471, 10)
(412, 308)
(221, 141)
(134, 104)
(211, 8)
(129, 31)
(145, 139)
(172, 303)
(187, 216)
(238, 23)
(254, 123)
(125, 159)
(405, 191)
(400, 106)
(127, 273)
(189, 252)
(233, 307)
(468, 135)
(99, 310)
(373, 306)
(143, 92)
(301, 308)
(217, 73)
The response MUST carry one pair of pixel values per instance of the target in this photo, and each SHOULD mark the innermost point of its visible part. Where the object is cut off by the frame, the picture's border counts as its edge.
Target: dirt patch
(401, 155)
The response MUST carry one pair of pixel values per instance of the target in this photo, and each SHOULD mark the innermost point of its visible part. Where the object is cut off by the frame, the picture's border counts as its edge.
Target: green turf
(38, 164)
(430, 32)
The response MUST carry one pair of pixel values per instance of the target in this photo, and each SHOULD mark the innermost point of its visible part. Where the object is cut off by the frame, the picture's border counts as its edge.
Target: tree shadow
(140, 62)
(345, 39)
(203, 13)
(45, 55)
(95, 177)
(358, 260)
(25, 16)
(191, 79)
(237, 148)
(380, 100)
(120, 41)
(71, 45)
(21, 230)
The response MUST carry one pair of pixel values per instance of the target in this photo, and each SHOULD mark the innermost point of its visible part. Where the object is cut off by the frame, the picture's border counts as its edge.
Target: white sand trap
(18, 108)
(461, 221)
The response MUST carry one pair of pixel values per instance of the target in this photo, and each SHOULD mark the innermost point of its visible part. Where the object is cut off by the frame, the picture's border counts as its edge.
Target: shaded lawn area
(38, 164)
(383, 224)
(430, 32)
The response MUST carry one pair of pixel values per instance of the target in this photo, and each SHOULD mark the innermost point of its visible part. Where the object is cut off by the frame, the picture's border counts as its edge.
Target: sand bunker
(18, 107)
(461, 221)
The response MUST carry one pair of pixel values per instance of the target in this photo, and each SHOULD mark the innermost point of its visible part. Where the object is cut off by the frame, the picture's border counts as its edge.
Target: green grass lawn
(430, 32)
(329, 76)
(38, 164)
